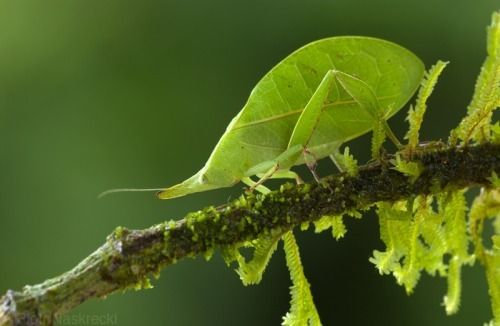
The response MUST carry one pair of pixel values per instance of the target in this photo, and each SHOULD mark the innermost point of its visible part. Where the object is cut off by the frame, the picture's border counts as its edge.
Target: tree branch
(129, 257)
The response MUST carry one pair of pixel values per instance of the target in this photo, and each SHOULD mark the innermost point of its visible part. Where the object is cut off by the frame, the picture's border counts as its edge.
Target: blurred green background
(102, 94)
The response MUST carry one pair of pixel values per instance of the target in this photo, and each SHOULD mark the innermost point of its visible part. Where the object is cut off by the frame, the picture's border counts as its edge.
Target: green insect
(319, 97)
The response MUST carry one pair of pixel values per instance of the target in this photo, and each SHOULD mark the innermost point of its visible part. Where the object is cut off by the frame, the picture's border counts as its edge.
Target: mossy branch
(130, 257)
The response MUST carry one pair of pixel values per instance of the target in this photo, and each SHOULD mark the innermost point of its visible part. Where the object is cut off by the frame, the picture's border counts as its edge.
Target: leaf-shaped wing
(262, 129)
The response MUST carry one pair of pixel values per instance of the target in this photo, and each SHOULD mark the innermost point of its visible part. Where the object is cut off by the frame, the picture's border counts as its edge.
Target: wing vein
(298, 111)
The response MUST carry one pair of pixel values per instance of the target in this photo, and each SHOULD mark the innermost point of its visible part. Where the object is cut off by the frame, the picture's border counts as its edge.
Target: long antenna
(111, 191)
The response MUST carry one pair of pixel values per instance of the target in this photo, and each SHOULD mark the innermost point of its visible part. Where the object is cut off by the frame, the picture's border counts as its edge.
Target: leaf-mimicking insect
(319, 97)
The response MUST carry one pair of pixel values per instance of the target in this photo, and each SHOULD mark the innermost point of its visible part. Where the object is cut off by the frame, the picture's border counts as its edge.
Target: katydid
(319, 97)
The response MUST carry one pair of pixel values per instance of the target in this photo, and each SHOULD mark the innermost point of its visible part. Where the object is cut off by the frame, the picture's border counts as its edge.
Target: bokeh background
(102, 94)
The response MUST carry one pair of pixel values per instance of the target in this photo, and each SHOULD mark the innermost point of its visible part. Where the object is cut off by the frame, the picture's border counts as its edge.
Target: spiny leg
(308, 121)
(310, 116)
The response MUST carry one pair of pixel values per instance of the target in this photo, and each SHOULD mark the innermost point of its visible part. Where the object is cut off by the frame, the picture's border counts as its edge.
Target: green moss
(255, 216)
(119, 232)
(495, 180)
(143, 283)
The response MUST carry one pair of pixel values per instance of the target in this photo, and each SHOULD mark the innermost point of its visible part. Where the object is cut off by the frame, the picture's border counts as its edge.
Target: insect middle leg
(258, 184)
(273, 173)
(284, 174)
(254, 185)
